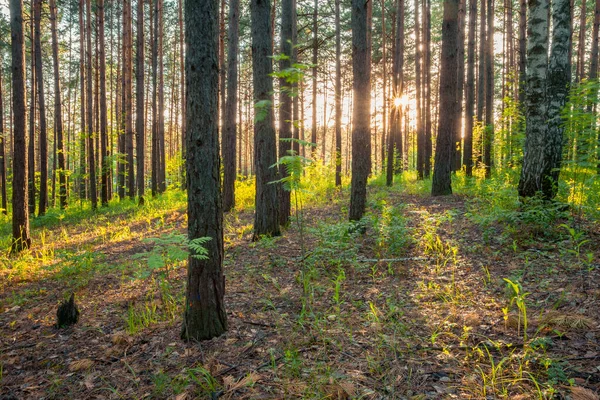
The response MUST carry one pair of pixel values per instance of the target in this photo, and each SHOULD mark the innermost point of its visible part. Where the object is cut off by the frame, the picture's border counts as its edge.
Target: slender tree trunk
(361, 120)
(418, 98)
(58, 125)
(470, 90)
(522, 51)
(428, 94)
(384, 79)
(457, 148)
(315, 51)
(90, 121)
(266, 217)
(442, 172)
(489, 90)
(104, 153)
(32, 114)
(580, 71)
(395, 148)
(20, 216)
(2, 150)
(82, 141)
(285, 104)
(593, 74)
(230, 127)
(204, 316)
(338, 95)
(37, 16)
(222, 68)
(183, 97)
(128, 168)
(140, 134)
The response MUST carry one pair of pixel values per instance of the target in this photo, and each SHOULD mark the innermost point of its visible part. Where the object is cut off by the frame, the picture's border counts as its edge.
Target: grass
(426, 322)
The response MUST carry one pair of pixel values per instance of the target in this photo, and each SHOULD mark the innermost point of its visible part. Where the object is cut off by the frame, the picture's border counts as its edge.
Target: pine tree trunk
(58, 124)
(580, 71)
(470, 90)
(522, 51)
(266, 217)
(394, 149)
(32, 114)
(20, 215)
(457, 148)
(361, 117)
(2, 150)
(285, 104)
(104, 153)
(205, 315)
(418, 98)
(128, 168)
(183, 98)
(428, 96)
(37, 16)
(82, 141)
(442, 170)
(90, 121)
(489, 90)
(315, 52)
(338, 96)
(230, 123)
(140, 134)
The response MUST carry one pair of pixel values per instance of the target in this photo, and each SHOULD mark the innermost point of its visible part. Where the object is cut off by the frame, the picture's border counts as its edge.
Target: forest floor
(464, 297)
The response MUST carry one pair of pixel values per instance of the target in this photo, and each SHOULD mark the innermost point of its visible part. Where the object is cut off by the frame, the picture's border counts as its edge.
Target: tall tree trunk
(418, 98)
(183, 98)
(230, 127)
(593, 74)
(37, 16)
(90, 121)
(204, 316)
(394, 150)
(285, 104)
(384, 78)
(489, 90)
(104, 152)
(361, 118)
(58, 124)
(222, 68)
(140, 134)
(428, 94)
(2, 151)
(470, 90)
(266, 217)
(315, 50)
(128, 168)
(481, 84)
(536, 105)
(20, 215)
(460, 76)
(522, 51)
(442, 172)
(32, 114)
(338, 96)
(82, 141)
(580, 70)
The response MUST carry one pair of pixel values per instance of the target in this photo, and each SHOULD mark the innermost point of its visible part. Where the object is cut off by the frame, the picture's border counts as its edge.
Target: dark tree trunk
(127, 168)
(457, 147)
(183, 102)
(58, 124)
(37, 16)
(427, 101)
(32, 114)
(442, 170)
(394, 149)
(20, 215)
(580, 71)
(2, 151)
(285, 103)
(361, 116)
(82, 141)
(594, 56)
(315, 52)
(104, 152)
(522, 51)
(205, 315)
(418, 98)
(140, 120)
(489, 90)
(338, 96)
(266, 217)
(90, 121)
(470, 90)
(230, 126)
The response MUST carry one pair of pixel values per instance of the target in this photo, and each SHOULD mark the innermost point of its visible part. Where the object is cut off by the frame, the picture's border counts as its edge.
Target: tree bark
(2, 150)
(90, 121)
(104, 150)
(204, 316)
(580, 70)
(315, 52)
(230, 123)
(470, 90)
(140, 134)
(394, 149)
(82, 141)
(32, 115)
(489, 90)
(20, 215)
(442, 172)
(536, 106)
(338, 96)
(361, 118)
(460, 76)
(418, 98)
(266, 217)
(128, 167)
(37, 16)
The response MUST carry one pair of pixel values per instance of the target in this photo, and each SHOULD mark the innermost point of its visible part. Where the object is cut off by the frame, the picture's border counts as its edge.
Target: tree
(285, 103)
(37, 16)
(544, 125)
(230, 123)
(489, 90)
(20, 215)
(140, 119)
(127, 168)
(338, 96)
(204, 316)
(60, 147)
(2, 151)
(315, 53)
(104, 148)
(90, 121)
(470, 90)
(82, 95)
(361, 114)
(395, 138)
(421, 156)
(266, 216)
(442, 171)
